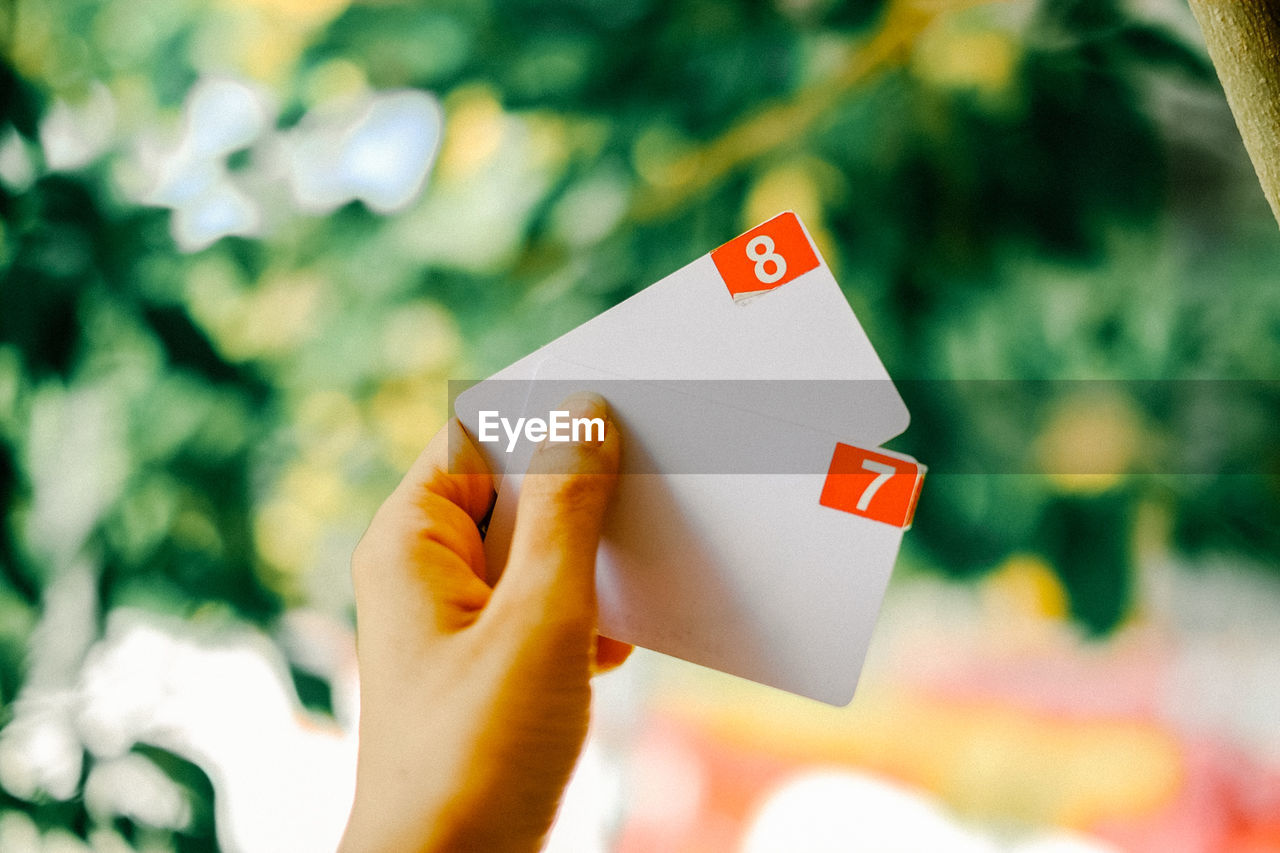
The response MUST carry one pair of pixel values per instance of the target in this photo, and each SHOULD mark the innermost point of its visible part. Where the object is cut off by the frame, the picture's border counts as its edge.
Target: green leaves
(665, 127)
(1001, 191)
(1086, 540)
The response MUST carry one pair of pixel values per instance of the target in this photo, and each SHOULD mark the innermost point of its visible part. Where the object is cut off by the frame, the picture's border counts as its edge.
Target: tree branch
(775, 123)
(1244, 42)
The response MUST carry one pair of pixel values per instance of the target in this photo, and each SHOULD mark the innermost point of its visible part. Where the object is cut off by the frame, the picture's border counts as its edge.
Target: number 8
(760, 250)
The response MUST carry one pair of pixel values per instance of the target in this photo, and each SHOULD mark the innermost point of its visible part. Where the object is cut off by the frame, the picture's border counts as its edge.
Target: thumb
(551, 566)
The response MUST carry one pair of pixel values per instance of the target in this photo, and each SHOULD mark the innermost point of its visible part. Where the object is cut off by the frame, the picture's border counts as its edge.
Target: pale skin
(474, 698)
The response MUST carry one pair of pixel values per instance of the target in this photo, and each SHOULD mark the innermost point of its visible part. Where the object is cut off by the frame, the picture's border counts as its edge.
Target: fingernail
(584, 404)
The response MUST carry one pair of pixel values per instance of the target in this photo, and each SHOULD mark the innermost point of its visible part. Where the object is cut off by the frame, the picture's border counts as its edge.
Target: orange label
(767, 256)
(874, 485)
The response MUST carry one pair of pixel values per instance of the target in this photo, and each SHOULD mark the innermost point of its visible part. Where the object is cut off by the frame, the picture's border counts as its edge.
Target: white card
(706, 559)
(762, 307)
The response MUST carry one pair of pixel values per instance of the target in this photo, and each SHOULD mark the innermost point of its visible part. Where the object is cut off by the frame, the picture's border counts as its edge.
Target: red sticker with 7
(767, 256)
(873, 484)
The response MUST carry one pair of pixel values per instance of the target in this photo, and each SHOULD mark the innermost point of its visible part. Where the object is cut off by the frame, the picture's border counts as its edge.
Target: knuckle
(573, 490)
(581, 491)
(568, 459)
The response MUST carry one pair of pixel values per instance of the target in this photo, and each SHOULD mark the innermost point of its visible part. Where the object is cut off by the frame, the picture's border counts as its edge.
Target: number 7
(883, 472)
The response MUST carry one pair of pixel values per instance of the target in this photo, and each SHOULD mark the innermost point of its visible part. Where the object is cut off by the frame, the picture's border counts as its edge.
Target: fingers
(551, 567)
(423, 540)
(452, 467)
(611, 654)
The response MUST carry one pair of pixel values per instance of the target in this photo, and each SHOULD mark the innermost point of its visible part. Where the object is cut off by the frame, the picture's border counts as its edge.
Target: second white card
(708, 559)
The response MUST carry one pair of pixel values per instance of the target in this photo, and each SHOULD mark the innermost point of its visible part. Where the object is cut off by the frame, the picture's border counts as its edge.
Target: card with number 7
(757, 547)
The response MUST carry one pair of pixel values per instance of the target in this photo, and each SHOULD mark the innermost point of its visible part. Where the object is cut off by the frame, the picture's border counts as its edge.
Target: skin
(474, 698)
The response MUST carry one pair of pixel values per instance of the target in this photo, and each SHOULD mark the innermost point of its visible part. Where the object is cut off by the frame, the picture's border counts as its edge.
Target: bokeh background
(244, 244)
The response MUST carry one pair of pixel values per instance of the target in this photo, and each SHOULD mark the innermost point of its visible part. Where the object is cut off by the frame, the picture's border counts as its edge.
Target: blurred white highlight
(16, 169)
(40, 751)
(18, 833)
(378, 150)
(222, 698)
(224, 115)
(78, 463)
(73, 135)
(216, 693)
(838, 811)
(134, 787)
(221, 210)
(221, 116)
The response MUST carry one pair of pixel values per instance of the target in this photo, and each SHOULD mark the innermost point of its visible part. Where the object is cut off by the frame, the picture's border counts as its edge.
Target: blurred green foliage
(1019, 190)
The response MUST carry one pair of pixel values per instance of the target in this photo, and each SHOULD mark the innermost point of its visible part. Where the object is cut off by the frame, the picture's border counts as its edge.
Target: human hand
(474, 700)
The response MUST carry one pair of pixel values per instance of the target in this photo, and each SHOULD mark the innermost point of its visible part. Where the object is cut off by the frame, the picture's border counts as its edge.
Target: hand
(474, 700)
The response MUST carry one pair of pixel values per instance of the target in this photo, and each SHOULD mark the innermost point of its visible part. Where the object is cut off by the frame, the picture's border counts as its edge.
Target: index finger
(426, 535)
(451, 467)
